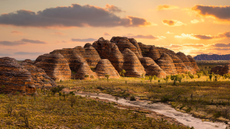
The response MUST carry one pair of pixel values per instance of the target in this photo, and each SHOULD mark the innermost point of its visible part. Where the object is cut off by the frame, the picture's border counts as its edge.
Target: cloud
(16, 32)
(113, 8)
(27, 53)
(32, 41)
(106, 34)
(168, 32)
(147, 37)
(186, 45)
(186, 36)
(221, 45)
(195, 21)
(219, 12)
(173, 23)
(72, 16)
(21, 42)
(207, 37)
(203, 37)
(84, 40)
(166, 7)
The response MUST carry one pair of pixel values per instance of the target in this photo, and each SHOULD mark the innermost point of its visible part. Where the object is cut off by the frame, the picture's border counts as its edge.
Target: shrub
(57, 89)
(150, 78)
(9, 107)
(72, 100)
(132, 98)
(24, 114)
(122, 73)
(107, 77)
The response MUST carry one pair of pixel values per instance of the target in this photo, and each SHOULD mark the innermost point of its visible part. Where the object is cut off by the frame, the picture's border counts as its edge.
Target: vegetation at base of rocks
(45, 111)
(199, 96)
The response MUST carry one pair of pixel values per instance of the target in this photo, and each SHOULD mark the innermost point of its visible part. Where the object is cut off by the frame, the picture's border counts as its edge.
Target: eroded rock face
(193, 63)
(104, 67)
(123, 43)
(110, 51)
(144, 48)
(166, 63)
(154, 53)
(40, 78)
(14, 78)
(91, 56)
(55, 66)
(152, 68)
(221, 69)
(85, 72)
(73, 56)
(179, 64)
(132, 65)
(186, 61)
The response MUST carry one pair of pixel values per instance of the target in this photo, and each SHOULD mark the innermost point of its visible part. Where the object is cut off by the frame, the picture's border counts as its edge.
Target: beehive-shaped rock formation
(84, 72)
(186, 61)
(110, 51)
(193, 63)
(104, 67)
(154, 53)
(15, 78)
(132, 65)
(166, 63)
(40, 78)
(91, 55)
(123, 43)
(180, 66)
(55, 66)
(152, 68)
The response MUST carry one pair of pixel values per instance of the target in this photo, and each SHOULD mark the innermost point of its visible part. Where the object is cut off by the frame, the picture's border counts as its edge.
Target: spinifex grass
(57, 111)
(198, 96)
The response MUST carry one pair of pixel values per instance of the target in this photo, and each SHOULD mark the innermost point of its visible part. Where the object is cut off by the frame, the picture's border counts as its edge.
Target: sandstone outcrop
(152, 68)
(221, 69)
(193, 63)
(166, 63)
(84, 72)
(15, 78)
(132, 65)
(179, 64)
(40, 78)
(104, 67)
(91, 55)
(154, 53)
(55, 66)
(123, 43)
(186, 61)
(110, 51)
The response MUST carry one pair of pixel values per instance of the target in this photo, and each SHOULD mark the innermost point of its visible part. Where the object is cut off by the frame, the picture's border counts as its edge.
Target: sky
(29, 28)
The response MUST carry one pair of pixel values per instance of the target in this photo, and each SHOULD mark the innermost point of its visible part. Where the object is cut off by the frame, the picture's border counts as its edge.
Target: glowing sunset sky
(29, 28)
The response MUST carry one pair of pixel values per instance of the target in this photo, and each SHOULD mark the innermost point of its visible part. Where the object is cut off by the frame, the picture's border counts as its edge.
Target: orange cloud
(147, 37)
(203, 37)
(166, 7)
(186, 36)
(172, 23)
(106, 34)
(113, 8)
(218, 12)
(16, 32)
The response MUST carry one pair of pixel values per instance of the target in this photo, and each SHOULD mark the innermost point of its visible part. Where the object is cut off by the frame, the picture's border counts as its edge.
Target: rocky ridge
(97, 60)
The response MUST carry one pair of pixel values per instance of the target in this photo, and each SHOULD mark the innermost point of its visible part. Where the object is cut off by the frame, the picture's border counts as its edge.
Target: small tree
(150, 78)
(166, 79)
(24, 114)
(72, 100)
(122, 73)
(210, 77)
(9, 107)
(107, 77)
